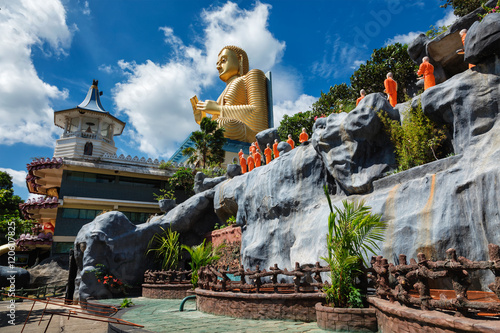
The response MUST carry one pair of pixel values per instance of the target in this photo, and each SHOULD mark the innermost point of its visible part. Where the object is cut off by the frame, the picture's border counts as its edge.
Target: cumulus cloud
(25, 112)
(403, 39)
(18, 177)
(290, 107)
(155, 96)
(447, 20)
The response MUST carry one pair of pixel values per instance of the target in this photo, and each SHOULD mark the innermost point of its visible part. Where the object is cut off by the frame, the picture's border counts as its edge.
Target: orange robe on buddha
(391, 89)
(275, 150)
(427, 70)
(267, 153)
(291, 143)
(258, 159)
(303, 137)
(250, 163)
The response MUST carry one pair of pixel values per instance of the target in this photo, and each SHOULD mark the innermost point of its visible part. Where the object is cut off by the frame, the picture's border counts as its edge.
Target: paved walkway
(163, 315)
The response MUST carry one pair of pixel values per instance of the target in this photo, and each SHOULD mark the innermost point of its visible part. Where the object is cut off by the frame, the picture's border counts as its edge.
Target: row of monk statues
(255, 158)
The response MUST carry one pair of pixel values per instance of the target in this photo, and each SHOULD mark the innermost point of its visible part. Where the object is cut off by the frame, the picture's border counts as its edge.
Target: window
(90, 177)
(151, 183)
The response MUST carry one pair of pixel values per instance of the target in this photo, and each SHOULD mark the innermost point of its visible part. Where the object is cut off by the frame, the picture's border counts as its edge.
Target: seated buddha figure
(242, 107)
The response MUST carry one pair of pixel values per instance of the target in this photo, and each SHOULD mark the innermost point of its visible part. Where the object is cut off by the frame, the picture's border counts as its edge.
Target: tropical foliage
(201, 255)
(353, 233)
(208, 141)
(182, 179)
(462, 7)
(10, 215)
(166, 247)
(418, 140)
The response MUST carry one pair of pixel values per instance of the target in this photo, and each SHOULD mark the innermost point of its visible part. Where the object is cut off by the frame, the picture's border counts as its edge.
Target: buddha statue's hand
(209, 107)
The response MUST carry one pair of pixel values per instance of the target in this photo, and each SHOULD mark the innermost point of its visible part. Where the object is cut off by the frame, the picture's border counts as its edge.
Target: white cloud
(86, 8)
(25, 112)
(18, 177)
(156, 96)
(403, 39)
(290, 107)
(447, 20)
(337, 58)
(108, 69)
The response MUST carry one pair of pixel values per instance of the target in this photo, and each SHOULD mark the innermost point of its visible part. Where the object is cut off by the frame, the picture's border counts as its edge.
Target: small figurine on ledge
(427, 70)
(362, 94)
(275, 149)
(303, 137)
(391, 89)
(290, 141)
(268, 153)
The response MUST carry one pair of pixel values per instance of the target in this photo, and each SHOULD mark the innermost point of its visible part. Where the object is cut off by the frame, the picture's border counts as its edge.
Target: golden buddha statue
(242, 107)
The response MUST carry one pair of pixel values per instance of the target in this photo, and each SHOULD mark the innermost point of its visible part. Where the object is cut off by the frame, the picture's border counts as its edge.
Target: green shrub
(352, 232)
(201, 255)
(417, 140)
(166, 247)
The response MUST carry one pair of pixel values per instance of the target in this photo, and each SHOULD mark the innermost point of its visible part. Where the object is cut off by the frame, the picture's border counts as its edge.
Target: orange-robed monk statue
(303, 137)
(391, 89)
(275, 149)
(268, 153)
(243, 163)
(427, 70)
(242, 107)
(250, 162)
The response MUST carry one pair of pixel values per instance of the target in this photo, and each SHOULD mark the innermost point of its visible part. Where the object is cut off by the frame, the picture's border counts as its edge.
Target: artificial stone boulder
(267, 136)
(203, 183)
(112, 240)
(233, 170)
(49, 273)
(353, 146)
(483, 39)
(284, 147)
(16, 275)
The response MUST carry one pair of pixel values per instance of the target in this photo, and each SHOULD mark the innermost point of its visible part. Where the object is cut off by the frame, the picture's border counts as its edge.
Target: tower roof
(92, 101)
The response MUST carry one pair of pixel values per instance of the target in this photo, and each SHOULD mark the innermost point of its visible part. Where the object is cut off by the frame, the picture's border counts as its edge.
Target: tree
(208, 144)
(336, 100)
(392, 58)
(293, 125)
(462, 7)
(9, 209)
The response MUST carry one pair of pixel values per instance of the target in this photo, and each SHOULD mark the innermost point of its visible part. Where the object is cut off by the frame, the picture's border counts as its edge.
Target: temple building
(85, 177)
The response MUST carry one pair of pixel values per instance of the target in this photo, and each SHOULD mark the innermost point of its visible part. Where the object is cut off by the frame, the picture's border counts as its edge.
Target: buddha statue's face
(227, 65)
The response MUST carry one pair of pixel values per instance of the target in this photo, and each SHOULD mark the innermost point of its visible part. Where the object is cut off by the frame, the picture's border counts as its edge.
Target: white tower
(88, 129)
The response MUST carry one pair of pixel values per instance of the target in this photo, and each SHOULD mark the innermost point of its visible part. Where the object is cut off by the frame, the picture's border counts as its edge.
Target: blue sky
(151, 56)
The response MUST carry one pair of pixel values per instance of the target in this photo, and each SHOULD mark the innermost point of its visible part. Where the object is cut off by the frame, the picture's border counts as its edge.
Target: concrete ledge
(393, 317)
(296, 306)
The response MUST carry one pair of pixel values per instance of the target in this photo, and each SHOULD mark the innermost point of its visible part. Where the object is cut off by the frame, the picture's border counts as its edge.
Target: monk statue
(290, 141)
(258, 158)
(427, 70)
(362, 94)
(275, 149)
(391, 89)
(242, 107)
(243, 163)
(268, 153)
(463, 34)
(303, 137)
(250, 162)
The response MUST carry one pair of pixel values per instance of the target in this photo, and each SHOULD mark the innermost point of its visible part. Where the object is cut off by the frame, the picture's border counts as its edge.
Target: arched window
(88, 149)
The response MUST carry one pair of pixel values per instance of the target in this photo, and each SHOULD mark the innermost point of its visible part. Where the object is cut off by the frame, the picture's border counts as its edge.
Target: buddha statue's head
(232, 61)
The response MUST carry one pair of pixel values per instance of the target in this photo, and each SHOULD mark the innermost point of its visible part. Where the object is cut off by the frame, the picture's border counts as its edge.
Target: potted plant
(352, 233)
(166, 199)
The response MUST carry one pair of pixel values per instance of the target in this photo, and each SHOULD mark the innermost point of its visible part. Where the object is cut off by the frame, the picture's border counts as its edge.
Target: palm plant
(201, 255)
(167, 248)
(352, 232)
(208, 144)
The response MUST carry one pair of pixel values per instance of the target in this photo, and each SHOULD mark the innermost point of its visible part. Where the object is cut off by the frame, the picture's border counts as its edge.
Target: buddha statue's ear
(241, 64)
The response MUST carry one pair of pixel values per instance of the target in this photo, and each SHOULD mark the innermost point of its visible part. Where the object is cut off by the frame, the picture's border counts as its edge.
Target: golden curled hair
(239, 52)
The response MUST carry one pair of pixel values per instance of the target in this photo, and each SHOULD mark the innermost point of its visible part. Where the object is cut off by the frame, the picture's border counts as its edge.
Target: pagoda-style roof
(91, 106)
(92, 101)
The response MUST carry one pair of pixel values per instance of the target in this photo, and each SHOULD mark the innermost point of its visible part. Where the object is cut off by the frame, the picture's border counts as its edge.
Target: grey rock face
(233, 170)
(267, 136)
(49, 274)
(203, 183)
(284, 147)
(483, 39)
(112, 240)
(166, 205)
(21, 277)
(352, 145)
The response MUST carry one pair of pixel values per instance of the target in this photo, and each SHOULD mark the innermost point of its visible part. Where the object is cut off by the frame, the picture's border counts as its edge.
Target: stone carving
(483, 39)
